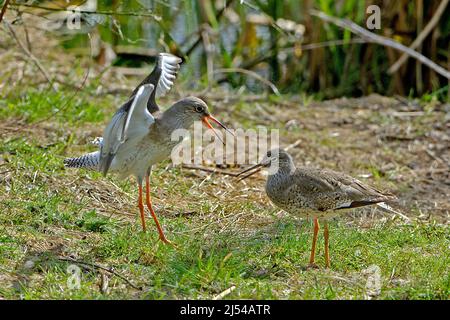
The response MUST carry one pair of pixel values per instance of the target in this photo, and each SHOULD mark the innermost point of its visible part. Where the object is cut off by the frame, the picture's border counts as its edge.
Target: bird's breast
(135, 156)
(284, 195)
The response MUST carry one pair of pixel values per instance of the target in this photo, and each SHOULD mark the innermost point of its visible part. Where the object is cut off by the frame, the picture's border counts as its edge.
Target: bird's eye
(199, 109)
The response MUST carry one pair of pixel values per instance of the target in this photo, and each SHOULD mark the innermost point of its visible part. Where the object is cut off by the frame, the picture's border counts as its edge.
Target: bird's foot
(167, 241)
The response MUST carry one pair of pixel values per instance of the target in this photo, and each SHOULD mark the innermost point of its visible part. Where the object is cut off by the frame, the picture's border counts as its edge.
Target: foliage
(227, 234)
(255, 41)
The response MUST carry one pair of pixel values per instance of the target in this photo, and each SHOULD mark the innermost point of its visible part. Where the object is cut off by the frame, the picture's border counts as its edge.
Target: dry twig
(212, 170)
(77, 90)
(425, 32)
(372, 37)
(2, 13)
(106, 13)
(94, 265)
(224, 293)
(252, 74)
(30, 55)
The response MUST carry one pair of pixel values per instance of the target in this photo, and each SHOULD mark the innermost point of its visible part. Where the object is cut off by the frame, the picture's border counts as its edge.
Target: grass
(227, 234)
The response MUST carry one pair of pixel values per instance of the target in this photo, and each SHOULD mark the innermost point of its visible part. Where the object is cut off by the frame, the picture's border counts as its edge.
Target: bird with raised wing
(313, 193)
(139, 134)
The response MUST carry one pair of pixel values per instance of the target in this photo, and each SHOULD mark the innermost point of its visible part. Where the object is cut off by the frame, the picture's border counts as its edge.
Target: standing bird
(313, 193)
(139, 134)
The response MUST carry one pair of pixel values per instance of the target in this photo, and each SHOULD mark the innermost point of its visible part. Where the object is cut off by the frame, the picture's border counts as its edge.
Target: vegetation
(279, 40)
(228, 234)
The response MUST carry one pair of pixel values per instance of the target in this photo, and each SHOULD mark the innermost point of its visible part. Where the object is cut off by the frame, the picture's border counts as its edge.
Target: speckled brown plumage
(314, 193)
(310, 192)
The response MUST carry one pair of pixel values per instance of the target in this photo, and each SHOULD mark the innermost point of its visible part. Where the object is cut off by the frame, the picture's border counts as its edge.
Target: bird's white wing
(131, 120)
(161, 77)
(169, 66)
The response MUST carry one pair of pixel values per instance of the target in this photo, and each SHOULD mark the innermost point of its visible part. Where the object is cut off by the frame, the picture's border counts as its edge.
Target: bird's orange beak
(206, 122)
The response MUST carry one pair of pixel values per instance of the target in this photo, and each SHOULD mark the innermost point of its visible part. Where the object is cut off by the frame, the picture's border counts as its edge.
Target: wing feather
(330, 190)
(162, 78)
(169, 65)
(132, 120)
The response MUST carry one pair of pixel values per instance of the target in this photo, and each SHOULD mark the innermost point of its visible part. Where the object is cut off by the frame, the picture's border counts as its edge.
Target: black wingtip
(107, 163)
(363, 203)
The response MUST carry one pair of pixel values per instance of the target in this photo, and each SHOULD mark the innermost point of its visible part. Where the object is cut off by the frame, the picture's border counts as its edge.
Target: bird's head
(274, 159)
(188, 110)
(278, 155)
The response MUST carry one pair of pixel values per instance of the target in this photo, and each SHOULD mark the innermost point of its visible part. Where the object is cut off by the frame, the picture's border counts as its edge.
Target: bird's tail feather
(87, 161)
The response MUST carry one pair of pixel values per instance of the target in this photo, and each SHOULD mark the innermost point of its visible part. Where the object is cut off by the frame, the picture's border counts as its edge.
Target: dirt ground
(400, 145)
(403, 144)
(396, 144)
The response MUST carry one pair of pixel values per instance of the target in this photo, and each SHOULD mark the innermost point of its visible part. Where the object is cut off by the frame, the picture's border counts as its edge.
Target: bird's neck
(284, 171)
(173, 120)
(279, 181)
(286, 167)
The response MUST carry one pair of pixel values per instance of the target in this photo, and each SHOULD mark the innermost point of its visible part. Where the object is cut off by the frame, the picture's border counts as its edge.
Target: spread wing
(162, 78)
(131, 120)
(330, 190)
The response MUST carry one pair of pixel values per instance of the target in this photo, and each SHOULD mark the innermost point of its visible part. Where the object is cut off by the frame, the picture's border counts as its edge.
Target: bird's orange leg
(141, 208)
(313, 248)
(325, 234)
(162, 237)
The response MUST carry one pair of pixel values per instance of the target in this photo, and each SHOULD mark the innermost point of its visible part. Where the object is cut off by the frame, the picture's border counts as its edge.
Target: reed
(249, 36)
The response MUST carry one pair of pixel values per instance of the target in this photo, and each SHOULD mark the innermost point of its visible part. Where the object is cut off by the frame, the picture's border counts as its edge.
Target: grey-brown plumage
(311, 192)
(138, 152)
(315, 193)
(159, 82)
(140, 135)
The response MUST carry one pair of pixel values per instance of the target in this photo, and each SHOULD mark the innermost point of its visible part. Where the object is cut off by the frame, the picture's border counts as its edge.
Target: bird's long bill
(208, 124)
(258, 167)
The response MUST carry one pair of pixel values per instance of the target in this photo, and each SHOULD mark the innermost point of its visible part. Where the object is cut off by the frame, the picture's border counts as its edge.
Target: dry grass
(228, 232)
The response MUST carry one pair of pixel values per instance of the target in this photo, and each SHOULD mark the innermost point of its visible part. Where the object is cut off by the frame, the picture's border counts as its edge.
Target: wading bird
(139, 134)
(313, 193)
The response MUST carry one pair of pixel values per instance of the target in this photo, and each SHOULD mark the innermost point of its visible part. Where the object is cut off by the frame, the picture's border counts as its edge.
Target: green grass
(48, 213)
